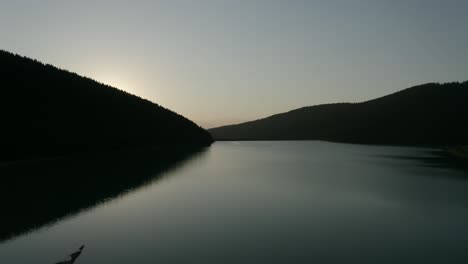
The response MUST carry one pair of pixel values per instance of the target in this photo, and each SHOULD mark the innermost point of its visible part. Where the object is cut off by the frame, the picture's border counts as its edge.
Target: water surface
(272, 202)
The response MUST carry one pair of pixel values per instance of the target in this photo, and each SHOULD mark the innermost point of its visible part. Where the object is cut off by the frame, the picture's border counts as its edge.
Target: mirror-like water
(271, 202)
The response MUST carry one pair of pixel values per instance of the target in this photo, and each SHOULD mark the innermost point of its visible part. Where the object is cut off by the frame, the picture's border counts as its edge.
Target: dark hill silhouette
(48, 111)
(434, 114)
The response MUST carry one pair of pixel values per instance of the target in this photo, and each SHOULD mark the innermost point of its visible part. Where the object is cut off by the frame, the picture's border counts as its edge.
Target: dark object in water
(73, 257)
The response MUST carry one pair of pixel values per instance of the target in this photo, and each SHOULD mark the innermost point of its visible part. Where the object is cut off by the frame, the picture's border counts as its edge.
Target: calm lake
(271, 202)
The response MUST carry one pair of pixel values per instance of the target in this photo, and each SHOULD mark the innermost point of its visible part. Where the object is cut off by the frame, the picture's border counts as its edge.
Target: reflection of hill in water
(436, 158)
(36, 193)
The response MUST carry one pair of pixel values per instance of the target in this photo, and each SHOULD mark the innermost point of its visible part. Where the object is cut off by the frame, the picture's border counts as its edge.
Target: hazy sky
(219, 62)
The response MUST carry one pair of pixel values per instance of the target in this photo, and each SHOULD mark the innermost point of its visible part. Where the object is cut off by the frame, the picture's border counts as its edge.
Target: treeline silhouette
(429, 114)
(48, 111)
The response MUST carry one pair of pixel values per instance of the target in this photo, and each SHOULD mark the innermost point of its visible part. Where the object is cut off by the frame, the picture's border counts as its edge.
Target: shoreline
(459, 152)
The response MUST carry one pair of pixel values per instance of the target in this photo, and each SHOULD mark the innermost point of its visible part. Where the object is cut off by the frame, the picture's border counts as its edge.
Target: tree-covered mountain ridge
(432, 113)
(51, 111)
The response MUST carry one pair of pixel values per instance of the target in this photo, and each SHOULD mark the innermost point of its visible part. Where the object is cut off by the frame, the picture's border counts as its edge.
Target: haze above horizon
(222, 62)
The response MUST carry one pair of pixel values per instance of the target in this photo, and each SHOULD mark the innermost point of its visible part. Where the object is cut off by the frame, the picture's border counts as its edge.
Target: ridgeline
(47, 111)
(429, 114)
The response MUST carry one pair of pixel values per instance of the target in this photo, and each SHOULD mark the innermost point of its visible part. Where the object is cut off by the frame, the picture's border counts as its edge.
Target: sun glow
(119, 80)
(114, 80)
(126, 81)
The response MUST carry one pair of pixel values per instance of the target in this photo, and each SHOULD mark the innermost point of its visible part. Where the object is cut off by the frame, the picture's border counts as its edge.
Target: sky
(222, 62)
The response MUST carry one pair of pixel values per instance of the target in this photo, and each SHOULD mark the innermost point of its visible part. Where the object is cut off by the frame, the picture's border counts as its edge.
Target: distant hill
(435, 114)
(48, 111)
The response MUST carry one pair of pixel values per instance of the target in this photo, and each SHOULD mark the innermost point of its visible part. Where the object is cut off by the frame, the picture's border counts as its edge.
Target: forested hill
(435, 114)
(48, 111)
